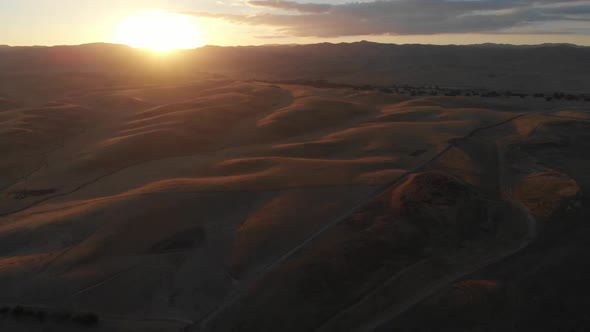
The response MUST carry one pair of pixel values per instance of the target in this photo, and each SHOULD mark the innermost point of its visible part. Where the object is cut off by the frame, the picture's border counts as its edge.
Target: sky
(256, 22)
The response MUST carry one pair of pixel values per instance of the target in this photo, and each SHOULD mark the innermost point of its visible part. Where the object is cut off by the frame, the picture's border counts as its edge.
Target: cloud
(409, 17)
(292, 6)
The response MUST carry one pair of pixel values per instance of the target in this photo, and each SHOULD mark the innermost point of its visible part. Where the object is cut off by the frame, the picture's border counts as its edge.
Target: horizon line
(299, 44)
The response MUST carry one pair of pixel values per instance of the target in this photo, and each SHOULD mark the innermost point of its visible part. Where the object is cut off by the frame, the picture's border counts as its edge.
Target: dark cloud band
(411, 17)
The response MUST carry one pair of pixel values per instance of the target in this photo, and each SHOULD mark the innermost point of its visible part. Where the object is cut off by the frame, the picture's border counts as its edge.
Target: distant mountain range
(546, 67)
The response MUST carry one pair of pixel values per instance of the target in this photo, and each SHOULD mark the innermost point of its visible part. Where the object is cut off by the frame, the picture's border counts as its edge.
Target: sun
(159, 31)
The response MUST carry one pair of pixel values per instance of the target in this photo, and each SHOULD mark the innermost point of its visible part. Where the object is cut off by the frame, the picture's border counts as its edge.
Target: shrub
(491, 94)
(28, 312)
(18, 310)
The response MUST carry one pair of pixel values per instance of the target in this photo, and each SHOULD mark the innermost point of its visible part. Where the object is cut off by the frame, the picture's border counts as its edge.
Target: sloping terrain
(539, 68)
(190, 201)
(543, 287)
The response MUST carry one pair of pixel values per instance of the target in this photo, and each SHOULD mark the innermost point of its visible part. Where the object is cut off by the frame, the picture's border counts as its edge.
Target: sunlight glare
(160, 31)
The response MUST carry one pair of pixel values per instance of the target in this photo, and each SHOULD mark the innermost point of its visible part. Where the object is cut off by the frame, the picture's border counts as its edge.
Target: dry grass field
(169, 201)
